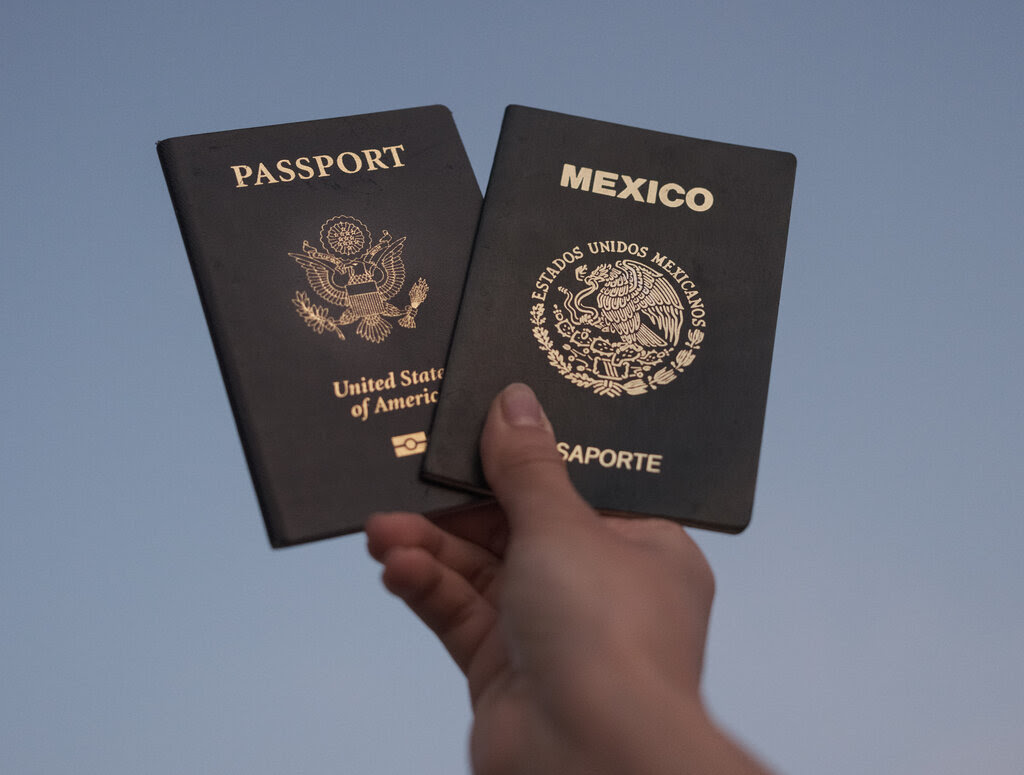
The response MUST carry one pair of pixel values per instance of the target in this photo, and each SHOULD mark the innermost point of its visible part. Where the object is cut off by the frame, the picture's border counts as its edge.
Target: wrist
(653, 728)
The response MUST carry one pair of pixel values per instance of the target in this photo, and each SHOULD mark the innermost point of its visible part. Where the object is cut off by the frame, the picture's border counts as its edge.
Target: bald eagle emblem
(351, 271)
(621, 327)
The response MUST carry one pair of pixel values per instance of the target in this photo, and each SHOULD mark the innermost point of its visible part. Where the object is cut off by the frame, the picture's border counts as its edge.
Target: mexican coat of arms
(621, 327)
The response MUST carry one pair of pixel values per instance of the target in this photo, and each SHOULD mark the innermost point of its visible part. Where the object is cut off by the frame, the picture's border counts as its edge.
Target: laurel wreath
(607, 387)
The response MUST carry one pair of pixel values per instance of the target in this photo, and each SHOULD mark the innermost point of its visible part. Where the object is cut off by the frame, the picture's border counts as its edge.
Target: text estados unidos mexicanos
(673, 270)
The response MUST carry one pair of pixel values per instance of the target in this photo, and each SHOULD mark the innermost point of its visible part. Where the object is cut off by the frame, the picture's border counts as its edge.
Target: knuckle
(524, 464)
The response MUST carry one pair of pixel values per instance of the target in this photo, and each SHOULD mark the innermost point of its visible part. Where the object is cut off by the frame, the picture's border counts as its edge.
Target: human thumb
(523, 466)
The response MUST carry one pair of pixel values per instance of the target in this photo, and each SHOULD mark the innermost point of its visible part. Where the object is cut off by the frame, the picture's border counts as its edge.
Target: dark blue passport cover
(632, 278)
(329, 257)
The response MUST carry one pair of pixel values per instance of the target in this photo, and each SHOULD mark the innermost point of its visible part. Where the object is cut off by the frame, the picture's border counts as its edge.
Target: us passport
(329, 258)
(632, 278)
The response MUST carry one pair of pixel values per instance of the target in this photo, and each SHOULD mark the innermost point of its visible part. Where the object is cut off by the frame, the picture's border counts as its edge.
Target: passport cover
(329, 257)
(632, 278)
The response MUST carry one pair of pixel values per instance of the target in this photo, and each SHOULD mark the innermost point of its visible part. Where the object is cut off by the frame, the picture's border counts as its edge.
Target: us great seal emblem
(358, 275)
(627, 325)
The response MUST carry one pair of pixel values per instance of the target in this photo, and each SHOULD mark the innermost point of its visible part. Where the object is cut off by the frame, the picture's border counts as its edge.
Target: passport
(329, 257)
(632, 278)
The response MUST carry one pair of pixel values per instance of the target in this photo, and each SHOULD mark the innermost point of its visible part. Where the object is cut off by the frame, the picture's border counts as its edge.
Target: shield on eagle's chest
(364, 298)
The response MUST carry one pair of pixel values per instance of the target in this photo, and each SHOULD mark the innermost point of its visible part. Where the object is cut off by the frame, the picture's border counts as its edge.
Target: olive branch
(316, 316)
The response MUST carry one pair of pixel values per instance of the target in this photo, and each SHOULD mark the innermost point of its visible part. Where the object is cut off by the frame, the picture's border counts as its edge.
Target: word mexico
(319, 165)
(610, 458)
(624, 187)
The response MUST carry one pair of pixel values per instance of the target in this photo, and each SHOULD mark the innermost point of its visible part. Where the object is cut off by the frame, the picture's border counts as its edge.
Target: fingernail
(521, 407)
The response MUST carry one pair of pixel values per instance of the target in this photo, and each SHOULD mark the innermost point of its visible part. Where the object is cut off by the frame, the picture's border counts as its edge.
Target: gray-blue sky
(870, 620)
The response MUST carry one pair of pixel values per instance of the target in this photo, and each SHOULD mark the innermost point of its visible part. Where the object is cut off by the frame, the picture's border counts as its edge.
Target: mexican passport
(329, 258)
(632, 278)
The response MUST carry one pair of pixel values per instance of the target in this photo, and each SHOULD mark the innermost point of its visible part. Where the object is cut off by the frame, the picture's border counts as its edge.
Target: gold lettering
(663, 195)
(323, 163)
(409, 377)
(285, 168)
(341, 162)
(261, 173)
(373, 159)
(705, 204)
(604, 183)
(240, 176)
(632, 188)
(394, 149)
(302, 165)
(383, 403)
(363, 385)
(573, 178)
(359, 410)
(619, 459)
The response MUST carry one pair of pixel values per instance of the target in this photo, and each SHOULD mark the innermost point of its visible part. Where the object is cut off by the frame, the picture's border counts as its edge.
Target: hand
(581, 636)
